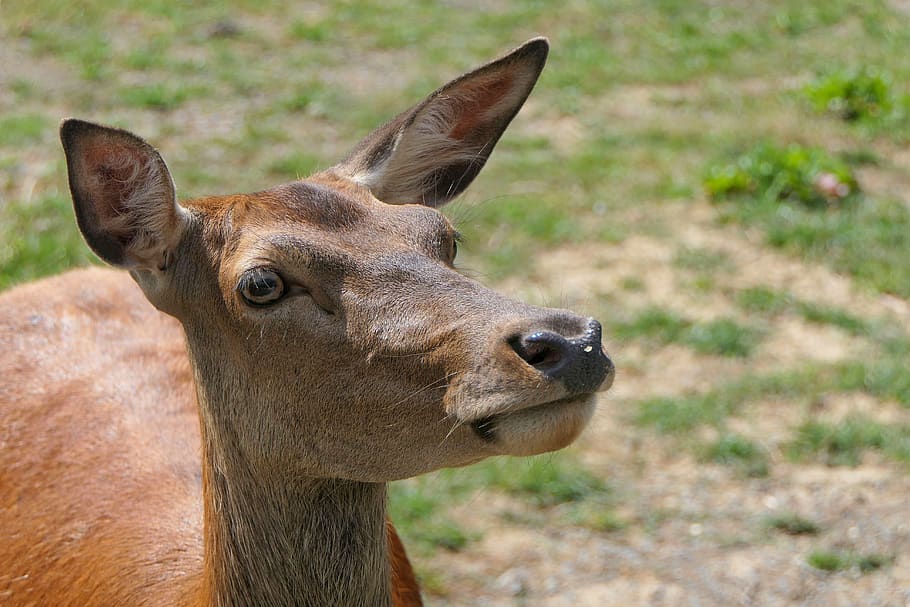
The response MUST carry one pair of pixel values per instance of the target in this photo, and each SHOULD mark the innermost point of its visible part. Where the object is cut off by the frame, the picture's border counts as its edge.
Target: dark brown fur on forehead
(336, 205)
(311, 202)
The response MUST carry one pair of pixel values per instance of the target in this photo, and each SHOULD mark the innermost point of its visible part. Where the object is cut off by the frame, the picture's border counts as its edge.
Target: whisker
(437, 383)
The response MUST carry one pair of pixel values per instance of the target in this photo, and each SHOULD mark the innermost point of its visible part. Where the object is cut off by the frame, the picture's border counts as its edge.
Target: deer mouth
(544, 427)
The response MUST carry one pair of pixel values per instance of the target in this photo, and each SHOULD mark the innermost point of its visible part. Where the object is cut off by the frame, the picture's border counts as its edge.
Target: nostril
(543, 350)
(542, 355)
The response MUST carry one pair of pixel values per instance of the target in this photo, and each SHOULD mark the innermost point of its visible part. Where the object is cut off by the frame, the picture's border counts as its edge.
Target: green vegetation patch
(546, 480)
(420, 507)
(158, 96)
(793, 524)
(803, 176)
(659, 324)
(702, 260)
(682, 414)
(739, 452)
(720, 337)
(829, 560)
(843, 443)
(515, 228)
(770, 302)
(723, 337)
(26, 128)
(420, 514)
(38, 238)
(882, 378)
(864, 95)
(836, 560)
(808, 202)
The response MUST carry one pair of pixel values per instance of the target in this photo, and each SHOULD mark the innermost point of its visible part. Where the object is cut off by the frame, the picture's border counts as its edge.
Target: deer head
(330, 333)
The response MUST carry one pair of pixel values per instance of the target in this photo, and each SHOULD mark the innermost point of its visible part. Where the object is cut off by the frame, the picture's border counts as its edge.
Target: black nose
(579, 361)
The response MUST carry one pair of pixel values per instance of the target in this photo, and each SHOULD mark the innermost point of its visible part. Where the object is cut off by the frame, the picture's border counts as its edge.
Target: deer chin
(538, 429)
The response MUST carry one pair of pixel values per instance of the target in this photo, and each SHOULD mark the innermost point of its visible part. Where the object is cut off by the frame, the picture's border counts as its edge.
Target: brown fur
(377, 362)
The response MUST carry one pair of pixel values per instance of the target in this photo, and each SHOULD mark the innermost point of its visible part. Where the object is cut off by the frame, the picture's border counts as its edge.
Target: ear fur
(430, 153)
(123, 195)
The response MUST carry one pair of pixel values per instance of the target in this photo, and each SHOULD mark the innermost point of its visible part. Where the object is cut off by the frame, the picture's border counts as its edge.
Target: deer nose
(579, 362)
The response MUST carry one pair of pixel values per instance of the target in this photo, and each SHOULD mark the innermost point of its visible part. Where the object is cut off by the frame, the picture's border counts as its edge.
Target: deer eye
(261, 287)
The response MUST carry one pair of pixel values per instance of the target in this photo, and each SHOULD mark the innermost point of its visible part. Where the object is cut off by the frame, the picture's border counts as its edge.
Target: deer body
(316, 343)
(100, 470)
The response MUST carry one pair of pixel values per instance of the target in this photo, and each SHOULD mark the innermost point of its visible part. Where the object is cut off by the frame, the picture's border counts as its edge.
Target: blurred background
(723, 184)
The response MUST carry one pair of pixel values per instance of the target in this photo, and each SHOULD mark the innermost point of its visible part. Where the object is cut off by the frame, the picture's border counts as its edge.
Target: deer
(220, 428)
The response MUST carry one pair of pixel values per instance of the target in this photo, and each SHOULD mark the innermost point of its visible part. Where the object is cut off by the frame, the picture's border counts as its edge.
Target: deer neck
(288, 539)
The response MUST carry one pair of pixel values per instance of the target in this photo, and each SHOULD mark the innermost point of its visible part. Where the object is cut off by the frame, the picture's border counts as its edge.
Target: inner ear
(432, 152)
(123, 194)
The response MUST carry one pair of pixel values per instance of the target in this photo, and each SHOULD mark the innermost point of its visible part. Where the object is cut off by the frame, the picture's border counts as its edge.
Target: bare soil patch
(697, 533)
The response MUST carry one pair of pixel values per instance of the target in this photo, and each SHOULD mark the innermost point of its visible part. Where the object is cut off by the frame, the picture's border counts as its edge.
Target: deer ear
(431, 153)
(123, 194)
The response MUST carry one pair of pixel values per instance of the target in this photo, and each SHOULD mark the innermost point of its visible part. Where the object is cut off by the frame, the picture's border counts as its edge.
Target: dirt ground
(697, 532)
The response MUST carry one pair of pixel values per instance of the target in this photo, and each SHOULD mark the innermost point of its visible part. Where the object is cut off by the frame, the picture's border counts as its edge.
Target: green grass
(21, 129)
(682, 414)
(511, 229)
(867, 563)
(763, 300)
(546, 480)
(420, 514)
(784, 191)
(37, 239)
(659, 324)
(721, 337)
(829, 315)
(884, 378)
(838, 560)
(844, 443)
(792, 524)
(420, 506)
(157, 96)
(865, 96)
(740, 453)
(869, 243)
(702, 260)
(829, 560)
(294, 166)
(797, 175)
(768, 302)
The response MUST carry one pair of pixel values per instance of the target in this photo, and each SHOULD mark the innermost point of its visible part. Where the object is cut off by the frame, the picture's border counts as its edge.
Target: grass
(701, 259)
(865, 96)
(720, 337)
(37, 239)
(832, 561)
(793, 524)
(768, 302)
(867, 243)
(420, 506)
(785, 190)
(844, 443)
(25, 128)
(883, 378)
(793, 174)
(157, 96)
(739, 452)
